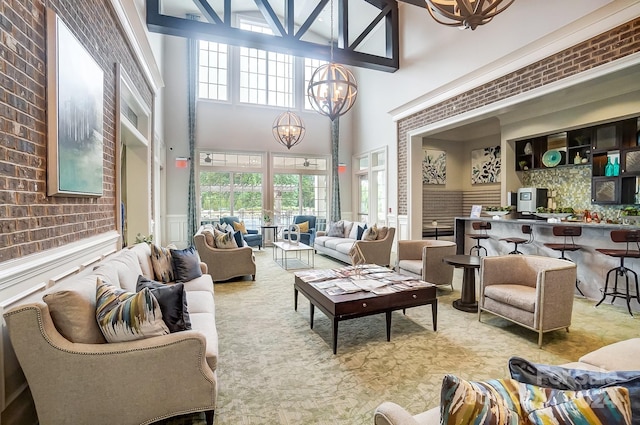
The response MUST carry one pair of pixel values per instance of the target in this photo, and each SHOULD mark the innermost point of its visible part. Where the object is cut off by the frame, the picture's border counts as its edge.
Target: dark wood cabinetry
(616, 143)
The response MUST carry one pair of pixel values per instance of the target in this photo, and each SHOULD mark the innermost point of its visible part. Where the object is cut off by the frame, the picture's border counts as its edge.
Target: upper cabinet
(554, 150)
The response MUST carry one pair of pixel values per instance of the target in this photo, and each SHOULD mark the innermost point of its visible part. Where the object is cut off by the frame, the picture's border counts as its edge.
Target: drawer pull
(364, 305)
(415, 296)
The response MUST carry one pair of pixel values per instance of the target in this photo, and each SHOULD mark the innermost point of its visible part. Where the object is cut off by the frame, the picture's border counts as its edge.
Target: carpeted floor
(274, 369)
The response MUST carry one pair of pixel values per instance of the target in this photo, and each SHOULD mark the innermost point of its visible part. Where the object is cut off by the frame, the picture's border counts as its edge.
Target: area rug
(274, 369)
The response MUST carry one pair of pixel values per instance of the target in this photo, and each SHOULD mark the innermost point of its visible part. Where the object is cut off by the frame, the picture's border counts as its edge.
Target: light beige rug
(274, 369)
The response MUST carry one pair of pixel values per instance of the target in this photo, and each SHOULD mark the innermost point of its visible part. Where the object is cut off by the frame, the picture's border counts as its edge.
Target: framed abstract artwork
(434, 167)
(485, 165)
(74, 115)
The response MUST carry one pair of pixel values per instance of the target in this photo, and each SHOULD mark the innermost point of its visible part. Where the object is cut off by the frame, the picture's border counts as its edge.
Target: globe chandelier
(288, 129)
(465, 13)
(332, 89)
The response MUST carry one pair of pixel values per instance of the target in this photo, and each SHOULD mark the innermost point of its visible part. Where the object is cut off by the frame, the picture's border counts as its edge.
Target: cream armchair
(225, 264)
(423, 259)
(531, 291)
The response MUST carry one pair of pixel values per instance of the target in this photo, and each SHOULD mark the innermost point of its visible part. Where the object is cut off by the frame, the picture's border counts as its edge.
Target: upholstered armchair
(252, 238)
(532, 291)
(224, 264)
(309, 236)
(423, 259)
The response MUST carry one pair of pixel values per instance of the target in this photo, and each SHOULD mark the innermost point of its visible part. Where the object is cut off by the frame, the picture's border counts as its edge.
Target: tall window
(231, 184)
(213, 66)
(371, 177)
(266, 78)
(300, 186)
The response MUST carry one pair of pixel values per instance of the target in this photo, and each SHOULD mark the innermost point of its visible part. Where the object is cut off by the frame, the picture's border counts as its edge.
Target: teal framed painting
(74, 115)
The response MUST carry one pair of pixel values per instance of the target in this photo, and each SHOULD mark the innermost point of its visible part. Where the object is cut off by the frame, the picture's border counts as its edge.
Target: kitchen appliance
(529, 199)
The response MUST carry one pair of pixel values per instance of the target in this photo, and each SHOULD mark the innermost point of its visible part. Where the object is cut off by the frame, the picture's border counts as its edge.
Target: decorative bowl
(551, 158)
(553, 215)
(498, 213)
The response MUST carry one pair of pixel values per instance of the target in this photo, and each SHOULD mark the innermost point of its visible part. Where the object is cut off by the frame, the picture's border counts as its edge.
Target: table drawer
(408, 298)
(362, 306)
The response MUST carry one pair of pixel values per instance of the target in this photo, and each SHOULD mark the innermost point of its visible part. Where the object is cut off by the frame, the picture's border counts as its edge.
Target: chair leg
(209, 416)
(540, 338)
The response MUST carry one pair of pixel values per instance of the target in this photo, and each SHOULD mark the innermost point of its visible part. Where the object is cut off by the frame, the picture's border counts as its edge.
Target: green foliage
(145, 239)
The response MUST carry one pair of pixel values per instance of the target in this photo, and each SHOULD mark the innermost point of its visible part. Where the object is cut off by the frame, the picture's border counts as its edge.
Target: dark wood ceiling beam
(270, 17)
(311, 19)
(419, 3)
(207, 11)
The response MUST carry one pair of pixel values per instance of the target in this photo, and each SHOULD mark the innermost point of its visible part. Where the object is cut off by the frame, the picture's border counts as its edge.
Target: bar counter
(592, 265)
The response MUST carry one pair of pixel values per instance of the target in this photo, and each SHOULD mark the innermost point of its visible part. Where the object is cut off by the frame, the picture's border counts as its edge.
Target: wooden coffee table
(363, 303)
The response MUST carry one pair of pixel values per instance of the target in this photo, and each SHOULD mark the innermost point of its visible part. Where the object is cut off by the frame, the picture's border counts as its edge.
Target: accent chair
(252, 238)
(308, 237)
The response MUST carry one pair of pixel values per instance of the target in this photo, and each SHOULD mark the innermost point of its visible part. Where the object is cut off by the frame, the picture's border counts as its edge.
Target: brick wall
(604, 48)
(31, 221)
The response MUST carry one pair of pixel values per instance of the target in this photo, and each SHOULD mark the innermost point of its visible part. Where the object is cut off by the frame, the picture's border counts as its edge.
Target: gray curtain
(335, 183)
(192, 219)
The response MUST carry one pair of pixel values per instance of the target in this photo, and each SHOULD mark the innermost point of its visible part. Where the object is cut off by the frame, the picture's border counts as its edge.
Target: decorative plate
(551, 158)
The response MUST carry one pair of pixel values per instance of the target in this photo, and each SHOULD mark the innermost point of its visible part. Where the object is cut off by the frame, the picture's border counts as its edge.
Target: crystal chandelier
(466, 13)
(332, 89)
(288, 129)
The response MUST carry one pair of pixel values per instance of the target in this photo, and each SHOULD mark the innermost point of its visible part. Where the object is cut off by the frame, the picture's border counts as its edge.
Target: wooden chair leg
(209, 416)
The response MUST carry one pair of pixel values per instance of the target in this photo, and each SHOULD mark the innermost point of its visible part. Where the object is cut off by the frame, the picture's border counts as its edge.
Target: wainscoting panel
(176, 231)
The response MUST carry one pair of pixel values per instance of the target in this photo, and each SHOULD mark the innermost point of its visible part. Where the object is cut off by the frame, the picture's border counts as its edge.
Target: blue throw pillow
(237, 235)
(561, 378)
(361, 231)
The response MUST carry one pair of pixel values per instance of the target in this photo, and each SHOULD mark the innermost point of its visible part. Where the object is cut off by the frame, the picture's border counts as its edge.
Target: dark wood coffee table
(360, 304)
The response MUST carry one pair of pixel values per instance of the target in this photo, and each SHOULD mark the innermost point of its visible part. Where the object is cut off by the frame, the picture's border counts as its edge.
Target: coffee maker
(529, 199)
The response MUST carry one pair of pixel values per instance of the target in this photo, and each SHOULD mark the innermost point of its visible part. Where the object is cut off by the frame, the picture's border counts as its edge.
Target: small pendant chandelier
(332, 89)
(288, 129)
(466, 13)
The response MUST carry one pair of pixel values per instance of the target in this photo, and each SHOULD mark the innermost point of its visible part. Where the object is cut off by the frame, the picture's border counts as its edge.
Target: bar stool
(628, 236)
(483, 226)
(526, 229)
(568, 244)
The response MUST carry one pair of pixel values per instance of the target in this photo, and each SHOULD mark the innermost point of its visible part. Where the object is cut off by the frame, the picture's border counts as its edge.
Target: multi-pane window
(266, 78)
(213, 66)
(310, 65)
(371, 174)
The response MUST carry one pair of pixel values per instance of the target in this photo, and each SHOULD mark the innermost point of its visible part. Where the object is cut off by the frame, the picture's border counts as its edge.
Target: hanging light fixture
(466, 13)
(332, 89)
(288, 129)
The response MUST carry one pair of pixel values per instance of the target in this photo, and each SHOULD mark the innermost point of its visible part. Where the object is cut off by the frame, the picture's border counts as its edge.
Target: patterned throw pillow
(336, 229)
(304, 227)
(370, 234)
(225, 240)
(223, 227)
(240, 227)
(127, 316)
(208, 238)
(162, 264)
(597, 406)
(493, 402)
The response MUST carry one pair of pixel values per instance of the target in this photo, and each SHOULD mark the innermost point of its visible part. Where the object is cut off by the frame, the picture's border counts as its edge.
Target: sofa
(76, 377)
(227, 263)
(617, 357)
(374, 251)
(252, 237)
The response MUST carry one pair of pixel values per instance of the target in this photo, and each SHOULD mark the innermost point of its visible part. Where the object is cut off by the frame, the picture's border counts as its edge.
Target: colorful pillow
(336, 229)
(225, 240)
(127, 316)
(562, 378)
(304, 227)
(370, 234)
(186, 264)
(162, 264)
(240, 227)
(223, 227)
(597, 406)
(172, 300)
(494, 402)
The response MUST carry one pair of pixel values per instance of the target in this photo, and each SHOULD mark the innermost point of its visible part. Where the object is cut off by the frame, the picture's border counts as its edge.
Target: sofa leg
(253, 277)
(209, 416)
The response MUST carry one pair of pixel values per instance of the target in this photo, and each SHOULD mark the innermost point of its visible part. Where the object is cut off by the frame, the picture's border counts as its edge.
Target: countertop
(544, 222)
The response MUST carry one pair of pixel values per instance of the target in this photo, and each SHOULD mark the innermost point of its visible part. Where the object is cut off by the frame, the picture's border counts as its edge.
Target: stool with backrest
(526, 229)
(568, 243)
(632, 250)
(482, 226)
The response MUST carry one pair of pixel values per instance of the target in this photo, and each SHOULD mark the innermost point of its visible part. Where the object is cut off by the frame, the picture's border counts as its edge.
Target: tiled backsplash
(572, 186)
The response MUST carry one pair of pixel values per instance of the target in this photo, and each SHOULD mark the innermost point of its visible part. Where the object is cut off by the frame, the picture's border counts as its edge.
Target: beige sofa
(623, 355)
(134, 382)
(375, 252)
(224, 264)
